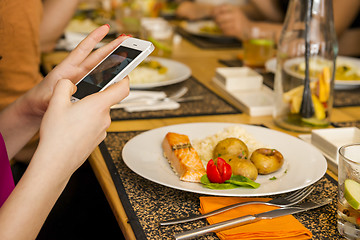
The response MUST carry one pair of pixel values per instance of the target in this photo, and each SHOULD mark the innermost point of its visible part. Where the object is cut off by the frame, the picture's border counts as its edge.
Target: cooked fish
(182, 157)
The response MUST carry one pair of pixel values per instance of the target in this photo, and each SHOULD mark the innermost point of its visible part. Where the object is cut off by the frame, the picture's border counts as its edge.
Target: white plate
(177, 72)
(304, 164)
(270, 65)
(332, 162)
(195, 29)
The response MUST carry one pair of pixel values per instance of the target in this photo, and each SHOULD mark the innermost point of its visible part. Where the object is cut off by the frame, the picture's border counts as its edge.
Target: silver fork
(286, 201)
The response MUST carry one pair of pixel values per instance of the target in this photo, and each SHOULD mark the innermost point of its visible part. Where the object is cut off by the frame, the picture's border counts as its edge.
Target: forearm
(269, 11)
(56, 16)
(194, 11)
(251, 11)
(344, 14)
(17, 127)
(26, 209)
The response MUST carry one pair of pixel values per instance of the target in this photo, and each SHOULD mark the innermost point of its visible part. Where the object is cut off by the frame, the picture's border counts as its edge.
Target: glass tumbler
(349, 191)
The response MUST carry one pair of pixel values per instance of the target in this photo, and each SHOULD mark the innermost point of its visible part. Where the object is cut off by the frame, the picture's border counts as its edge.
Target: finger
(87, 45)
(115, 93)
(63, 91)
(101, 53)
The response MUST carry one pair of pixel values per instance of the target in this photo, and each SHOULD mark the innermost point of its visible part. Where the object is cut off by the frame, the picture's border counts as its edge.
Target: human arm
(56, 16)
(234, 22)
(21, 120)
(344, 14)
(194, 11)
(269, 10)
(68, 134)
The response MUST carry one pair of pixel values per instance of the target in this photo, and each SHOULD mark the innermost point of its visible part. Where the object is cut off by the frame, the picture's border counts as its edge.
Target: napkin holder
(239, 78)
(245, 86)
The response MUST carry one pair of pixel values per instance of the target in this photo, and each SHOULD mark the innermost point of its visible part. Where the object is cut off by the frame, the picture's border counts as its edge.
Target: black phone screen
(106, 71)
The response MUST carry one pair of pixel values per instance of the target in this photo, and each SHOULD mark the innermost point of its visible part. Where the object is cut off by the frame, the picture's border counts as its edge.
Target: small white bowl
(330, 140)
(239, 78)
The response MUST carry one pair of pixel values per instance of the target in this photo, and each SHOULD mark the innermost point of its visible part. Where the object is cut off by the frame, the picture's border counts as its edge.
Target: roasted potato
(267, 160)
(241, 166)
(231, 146)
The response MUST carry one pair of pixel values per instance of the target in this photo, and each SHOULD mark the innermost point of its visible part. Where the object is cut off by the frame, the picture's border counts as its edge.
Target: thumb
(115, 93)
(63, 91)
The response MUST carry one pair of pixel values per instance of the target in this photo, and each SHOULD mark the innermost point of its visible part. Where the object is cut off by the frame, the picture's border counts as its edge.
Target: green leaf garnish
(234, 182)
(205, 180)
(242, 181)
(273, 178)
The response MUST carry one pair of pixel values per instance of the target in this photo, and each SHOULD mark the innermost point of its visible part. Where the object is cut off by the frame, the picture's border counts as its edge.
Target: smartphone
(114, 67)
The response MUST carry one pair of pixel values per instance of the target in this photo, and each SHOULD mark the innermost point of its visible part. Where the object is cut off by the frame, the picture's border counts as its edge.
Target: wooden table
(203, 64)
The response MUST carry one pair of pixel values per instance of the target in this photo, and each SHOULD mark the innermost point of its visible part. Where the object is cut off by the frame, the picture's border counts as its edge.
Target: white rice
(204, 147)
(146, 75)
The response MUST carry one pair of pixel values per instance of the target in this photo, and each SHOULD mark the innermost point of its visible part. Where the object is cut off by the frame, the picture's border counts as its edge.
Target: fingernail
(108, 25)
(121, 35)
(129, 35)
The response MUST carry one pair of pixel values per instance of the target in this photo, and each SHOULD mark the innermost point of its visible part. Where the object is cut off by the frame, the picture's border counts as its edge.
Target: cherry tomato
(219, 172)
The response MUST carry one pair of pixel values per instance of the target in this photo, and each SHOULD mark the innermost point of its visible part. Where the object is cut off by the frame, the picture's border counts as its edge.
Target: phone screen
(106, 71)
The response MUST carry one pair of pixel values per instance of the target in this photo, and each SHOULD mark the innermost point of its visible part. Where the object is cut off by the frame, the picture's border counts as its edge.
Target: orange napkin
(286, 227)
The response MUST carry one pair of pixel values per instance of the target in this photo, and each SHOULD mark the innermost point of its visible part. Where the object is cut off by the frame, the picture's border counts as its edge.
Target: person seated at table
(68, 134)
(270, 14)
(28, 29)
(200, 9)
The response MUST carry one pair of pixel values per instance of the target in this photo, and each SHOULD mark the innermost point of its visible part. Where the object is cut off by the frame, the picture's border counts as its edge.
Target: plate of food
(205, 28)
(157, 72)
(347, 75)
(82, 25)
(156, 163)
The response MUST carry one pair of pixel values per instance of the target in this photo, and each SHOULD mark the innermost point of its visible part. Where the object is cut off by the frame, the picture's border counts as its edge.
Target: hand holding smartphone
(114, 67)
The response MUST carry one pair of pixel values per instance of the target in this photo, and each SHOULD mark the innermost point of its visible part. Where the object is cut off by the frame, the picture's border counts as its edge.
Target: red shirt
(6, 178)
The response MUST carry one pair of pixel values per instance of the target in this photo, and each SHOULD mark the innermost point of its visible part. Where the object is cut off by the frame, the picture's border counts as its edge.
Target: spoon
(307, 107)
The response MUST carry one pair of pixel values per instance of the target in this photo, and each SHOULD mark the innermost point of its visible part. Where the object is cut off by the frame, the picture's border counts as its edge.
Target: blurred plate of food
(347, 75)
(294, 174)
(157, 72)
(85, 20)
(205, 28)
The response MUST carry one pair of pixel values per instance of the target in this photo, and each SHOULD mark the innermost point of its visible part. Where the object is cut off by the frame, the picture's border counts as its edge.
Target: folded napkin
(141, 95)
(286, 227)
(139, 101)
(72, 39)
(164, 105)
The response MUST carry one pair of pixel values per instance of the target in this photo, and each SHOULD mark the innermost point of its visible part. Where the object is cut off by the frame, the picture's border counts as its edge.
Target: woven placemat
(342, 98)
(347, 124)
(211, 104)
(209, 43)
(147, 203)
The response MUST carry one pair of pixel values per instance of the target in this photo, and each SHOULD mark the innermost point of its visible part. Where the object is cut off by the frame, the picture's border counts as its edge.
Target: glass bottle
(290, 69)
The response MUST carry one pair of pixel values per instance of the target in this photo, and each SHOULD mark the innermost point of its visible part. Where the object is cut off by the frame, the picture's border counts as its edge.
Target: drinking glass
(259, 46)
(349, 191)
(161, 34)
(128, 18)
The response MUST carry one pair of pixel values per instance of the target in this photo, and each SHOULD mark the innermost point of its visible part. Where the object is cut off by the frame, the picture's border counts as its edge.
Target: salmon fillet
(182, 157)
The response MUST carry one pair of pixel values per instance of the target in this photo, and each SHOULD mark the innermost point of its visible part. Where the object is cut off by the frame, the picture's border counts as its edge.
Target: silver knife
(252, 218)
